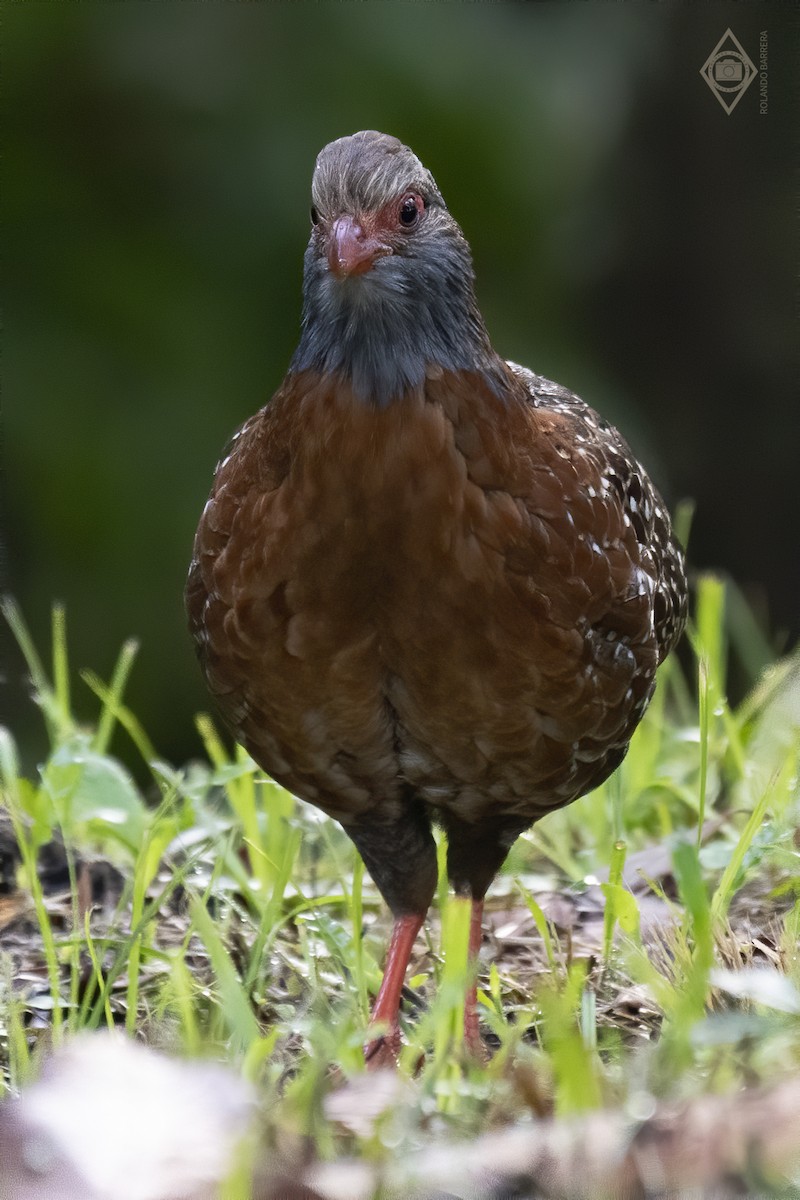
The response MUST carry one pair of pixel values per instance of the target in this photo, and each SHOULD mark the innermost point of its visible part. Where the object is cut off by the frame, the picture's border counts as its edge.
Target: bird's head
(372, 198)
(388, 281)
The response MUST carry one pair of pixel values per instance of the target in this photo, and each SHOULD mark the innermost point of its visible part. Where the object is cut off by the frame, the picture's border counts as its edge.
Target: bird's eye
(314, 216)
(411, 209)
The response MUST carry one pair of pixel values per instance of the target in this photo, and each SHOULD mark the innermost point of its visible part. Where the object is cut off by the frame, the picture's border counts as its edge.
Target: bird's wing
(642, 505)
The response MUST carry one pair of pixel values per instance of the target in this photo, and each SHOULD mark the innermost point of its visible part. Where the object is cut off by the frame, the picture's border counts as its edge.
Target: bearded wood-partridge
(429, 585)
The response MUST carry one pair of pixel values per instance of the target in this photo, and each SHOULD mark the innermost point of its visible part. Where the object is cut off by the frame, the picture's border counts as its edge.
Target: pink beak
(351, 251)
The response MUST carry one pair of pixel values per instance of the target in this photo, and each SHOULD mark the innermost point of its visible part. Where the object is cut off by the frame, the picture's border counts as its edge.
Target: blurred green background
(631, 240)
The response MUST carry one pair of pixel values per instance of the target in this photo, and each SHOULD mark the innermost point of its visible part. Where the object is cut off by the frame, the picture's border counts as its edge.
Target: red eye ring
(410, 210)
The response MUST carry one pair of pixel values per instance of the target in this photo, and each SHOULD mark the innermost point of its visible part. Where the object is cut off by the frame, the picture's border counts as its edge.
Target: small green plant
(245, 927)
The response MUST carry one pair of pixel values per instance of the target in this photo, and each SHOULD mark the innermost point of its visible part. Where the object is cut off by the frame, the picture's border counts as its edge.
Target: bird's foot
(476, 1050)
(384, 1051)
(473, 1042)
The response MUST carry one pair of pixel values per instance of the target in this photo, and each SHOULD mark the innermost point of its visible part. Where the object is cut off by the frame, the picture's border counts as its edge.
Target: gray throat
(381, 331)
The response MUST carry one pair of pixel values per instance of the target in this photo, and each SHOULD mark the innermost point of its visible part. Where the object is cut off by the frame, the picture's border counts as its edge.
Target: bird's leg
(400, 856)
(475, 853)
(472, 1033)
(383, 1050)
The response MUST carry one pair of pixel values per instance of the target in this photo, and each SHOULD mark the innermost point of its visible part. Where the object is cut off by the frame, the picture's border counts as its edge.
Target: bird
(430, 588)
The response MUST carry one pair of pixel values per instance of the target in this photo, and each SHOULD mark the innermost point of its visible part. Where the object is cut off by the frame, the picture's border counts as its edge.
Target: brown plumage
(428, 584)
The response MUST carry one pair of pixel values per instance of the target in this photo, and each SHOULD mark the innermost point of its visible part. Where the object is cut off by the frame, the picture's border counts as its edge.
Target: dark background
(631, 240)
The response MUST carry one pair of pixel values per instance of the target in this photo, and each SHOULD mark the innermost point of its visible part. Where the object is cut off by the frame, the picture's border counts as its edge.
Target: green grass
(245, 928)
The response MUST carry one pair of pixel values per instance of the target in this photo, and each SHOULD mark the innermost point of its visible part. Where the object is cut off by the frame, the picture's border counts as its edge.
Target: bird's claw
(384, 1051)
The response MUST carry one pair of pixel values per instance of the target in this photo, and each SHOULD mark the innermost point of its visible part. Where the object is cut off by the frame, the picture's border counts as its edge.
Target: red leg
(472, 1034)
(383, 1051)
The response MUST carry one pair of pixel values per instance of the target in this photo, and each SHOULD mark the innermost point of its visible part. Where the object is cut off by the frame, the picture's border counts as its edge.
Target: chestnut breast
(437, 597)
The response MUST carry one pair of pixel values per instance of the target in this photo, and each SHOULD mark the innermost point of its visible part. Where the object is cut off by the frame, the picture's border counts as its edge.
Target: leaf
(94, 796)
(624, 906)
(761, 985)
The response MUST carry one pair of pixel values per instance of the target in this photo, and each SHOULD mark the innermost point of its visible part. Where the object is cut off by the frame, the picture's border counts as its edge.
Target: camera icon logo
(728, 71)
